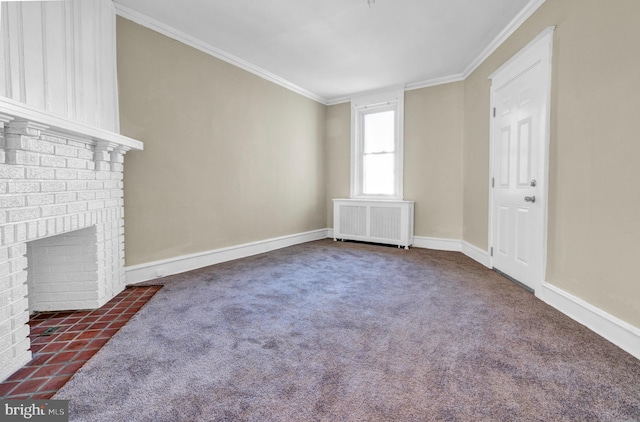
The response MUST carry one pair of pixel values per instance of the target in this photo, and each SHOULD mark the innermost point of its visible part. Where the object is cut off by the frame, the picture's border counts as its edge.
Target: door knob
(531, 199)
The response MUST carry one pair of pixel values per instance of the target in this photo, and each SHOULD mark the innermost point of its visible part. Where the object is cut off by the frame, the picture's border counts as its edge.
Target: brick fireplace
(61, 221)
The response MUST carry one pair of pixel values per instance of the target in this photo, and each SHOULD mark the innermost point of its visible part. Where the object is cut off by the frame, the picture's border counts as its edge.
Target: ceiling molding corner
(164, 29)
(520, 18)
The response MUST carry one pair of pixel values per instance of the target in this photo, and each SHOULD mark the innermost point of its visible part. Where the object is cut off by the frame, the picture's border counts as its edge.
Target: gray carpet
(331, 331)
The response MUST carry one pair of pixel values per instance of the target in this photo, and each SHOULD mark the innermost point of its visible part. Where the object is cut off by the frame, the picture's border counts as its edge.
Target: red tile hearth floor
(61, 342)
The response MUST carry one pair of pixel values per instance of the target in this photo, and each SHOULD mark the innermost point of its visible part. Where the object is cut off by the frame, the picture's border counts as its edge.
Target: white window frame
(360, 106)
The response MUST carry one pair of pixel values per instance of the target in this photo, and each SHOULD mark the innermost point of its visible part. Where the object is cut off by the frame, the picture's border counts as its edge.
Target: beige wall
(433, 121)
(594, 203)
(229, 158)
(432, 158)
(338, 153)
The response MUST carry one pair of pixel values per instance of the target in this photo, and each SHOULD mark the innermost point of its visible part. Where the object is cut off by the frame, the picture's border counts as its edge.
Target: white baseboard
(437, 243)
(476, 254)
(618, 332)
(180, 264)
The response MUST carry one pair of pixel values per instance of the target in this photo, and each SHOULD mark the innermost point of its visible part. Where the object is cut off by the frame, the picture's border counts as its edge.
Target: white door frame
(538, 51)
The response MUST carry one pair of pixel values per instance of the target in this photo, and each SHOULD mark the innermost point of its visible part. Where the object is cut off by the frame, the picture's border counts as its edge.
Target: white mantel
(61, 165)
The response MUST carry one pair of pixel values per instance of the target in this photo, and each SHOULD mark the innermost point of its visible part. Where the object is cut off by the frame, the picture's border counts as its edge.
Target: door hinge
(493, 182)
(494, 112)
(491, 251)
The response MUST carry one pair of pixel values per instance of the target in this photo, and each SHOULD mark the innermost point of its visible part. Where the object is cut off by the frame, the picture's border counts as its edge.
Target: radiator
(389, 222)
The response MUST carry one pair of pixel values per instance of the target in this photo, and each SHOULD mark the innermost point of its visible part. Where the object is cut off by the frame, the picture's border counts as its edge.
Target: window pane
(378, 178)
(379, 132)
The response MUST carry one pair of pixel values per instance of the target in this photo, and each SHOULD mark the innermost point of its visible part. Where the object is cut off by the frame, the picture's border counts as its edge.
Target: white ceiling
(331, 49)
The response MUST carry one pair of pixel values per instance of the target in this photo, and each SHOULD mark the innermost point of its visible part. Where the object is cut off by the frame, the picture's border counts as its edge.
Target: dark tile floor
(61, 342)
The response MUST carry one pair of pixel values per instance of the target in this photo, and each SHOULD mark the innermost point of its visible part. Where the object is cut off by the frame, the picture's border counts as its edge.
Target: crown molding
(169, 31)
(515, 23)
(435, 81)
(180, 36)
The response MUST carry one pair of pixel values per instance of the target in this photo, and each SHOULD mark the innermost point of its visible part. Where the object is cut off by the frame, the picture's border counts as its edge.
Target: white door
(520, 93)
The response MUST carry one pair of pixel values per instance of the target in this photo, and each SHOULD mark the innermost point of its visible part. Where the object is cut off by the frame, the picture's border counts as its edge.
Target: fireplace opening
(62, 271)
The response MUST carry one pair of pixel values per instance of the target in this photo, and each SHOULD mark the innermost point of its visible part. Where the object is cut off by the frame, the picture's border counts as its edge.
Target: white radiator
(389, 222)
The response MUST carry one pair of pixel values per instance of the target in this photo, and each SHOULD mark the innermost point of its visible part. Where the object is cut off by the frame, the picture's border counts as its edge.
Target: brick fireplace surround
(61, 221)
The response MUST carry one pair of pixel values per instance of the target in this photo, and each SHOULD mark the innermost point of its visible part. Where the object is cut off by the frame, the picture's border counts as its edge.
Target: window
(376, 145)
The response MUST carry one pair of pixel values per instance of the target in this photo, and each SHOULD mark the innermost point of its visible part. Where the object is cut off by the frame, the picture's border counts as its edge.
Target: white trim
(165, 267)
(392, 99)
(65, 126)
(435, 81)
(184, 38)
(538, 52)
(617, 331)
(437, 243)
(476, 254)
(330, 233)
(180, 36)
(515, 23)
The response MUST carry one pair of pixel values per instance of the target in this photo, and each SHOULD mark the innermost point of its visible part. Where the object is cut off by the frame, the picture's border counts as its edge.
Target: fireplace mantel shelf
(13, 110)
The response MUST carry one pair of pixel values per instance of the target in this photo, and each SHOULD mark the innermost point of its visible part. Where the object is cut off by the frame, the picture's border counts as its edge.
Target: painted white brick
(86, 196)
(95, 205)
(19, 321)
(17, 251)
(15, 141)
(52, 189)
(51, 226)
(102, 166)
(8, 235)
(53, 210)
(87, 175)
(23, 187)
(20, 232)
(112, 202)
(76, 163)
(95, 185)
(66, 174)
(103, 194)
(18, 264)
(40, 173)
(65, 151)
(11, 172)
(103, 175)
(66, 197)
(5, 327)
(42, 147)
(76, 185)
(24, 158)
(5, 269)
(44, 199)
(51, 161)
(23, 214)
(42, 228)
(85, 154)
(52, 186)
(77, 207)
(32, 230)
(6, 342)
(12, 201)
